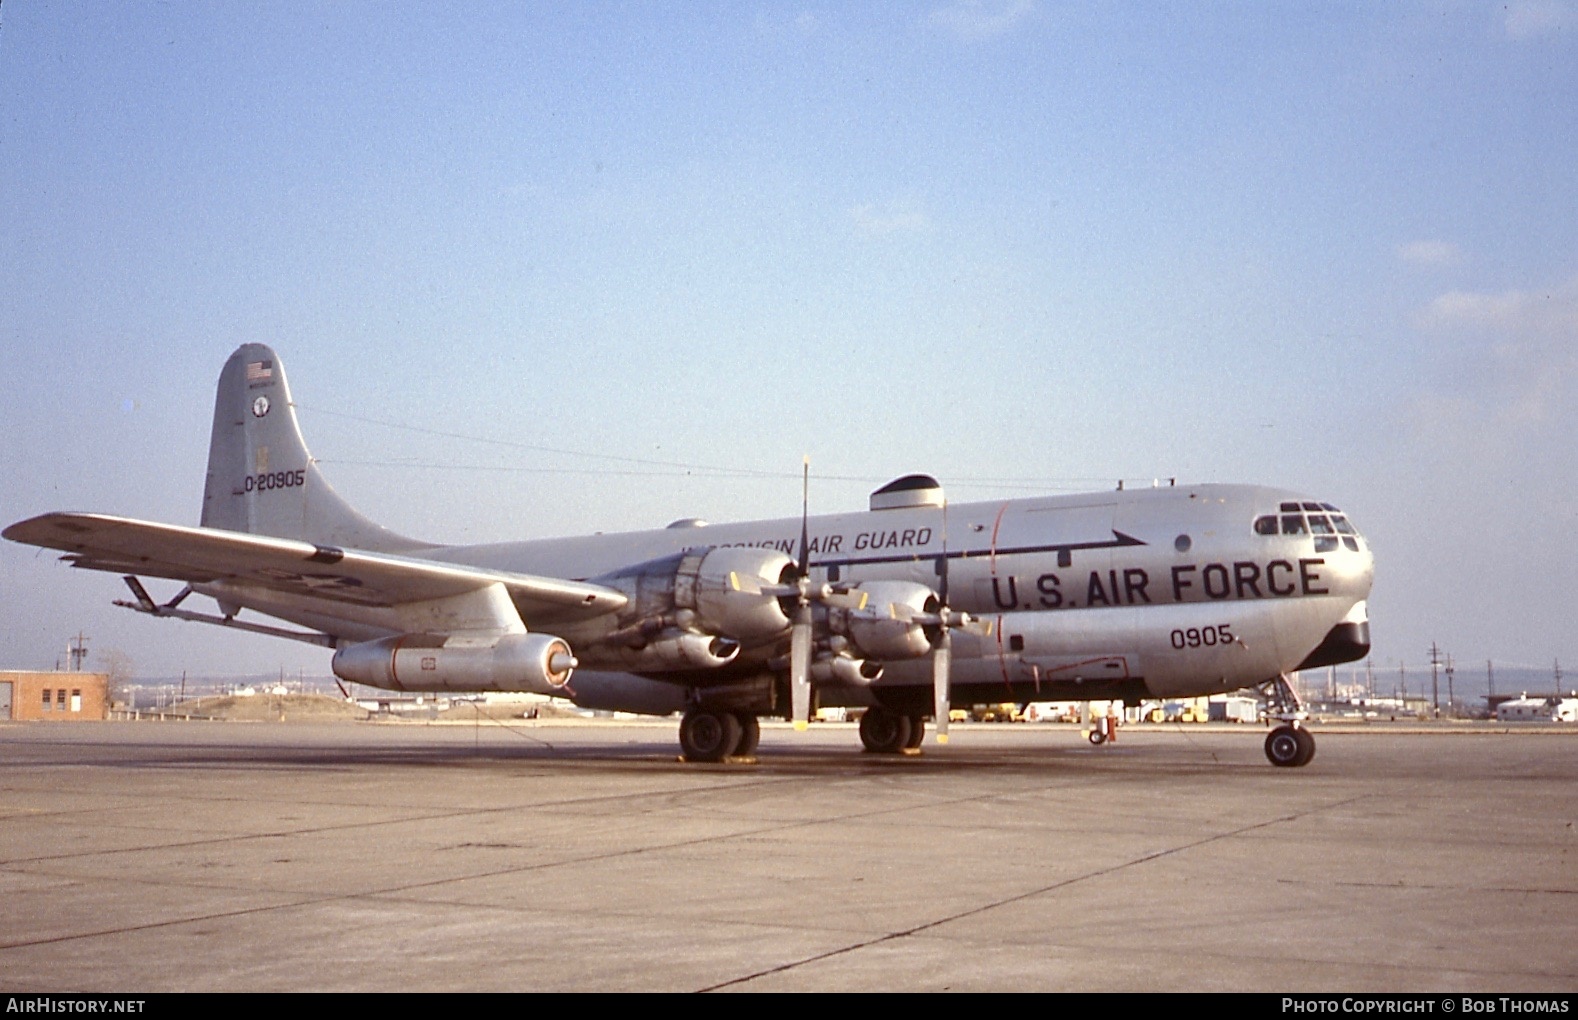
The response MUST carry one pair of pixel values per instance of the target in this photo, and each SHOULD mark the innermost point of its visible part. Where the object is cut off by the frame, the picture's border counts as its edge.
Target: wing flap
(208, 555)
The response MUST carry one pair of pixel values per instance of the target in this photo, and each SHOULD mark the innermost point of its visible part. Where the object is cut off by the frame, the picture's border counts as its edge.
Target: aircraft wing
(207, 555)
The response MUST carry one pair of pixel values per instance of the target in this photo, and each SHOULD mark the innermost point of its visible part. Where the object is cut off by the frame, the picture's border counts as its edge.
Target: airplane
(903, 610)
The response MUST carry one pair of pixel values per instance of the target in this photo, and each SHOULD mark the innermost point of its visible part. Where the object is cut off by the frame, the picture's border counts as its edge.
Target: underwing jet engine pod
(535, 663)
(902, 610)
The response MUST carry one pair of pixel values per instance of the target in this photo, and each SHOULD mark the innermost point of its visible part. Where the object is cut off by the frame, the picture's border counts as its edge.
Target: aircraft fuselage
(1163, 592)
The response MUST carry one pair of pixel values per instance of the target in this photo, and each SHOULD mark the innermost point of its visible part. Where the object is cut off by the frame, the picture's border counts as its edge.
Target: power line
(673, 468)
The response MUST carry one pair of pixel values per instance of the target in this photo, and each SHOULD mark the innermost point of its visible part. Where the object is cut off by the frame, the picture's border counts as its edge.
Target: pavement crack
(1030, 894)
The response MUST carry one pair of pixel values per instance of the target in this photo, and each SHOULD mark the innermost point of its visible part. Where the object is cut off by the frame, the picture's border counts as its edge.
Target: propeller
(946, 621)
(801, 619)
(796, 585)
(800, 622)
(943, 620)
(942, 655)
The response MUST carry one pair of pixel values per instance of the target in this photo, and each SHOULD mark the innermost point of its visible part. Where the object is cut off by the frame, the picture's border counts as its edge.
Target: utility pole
(1451, 697)
(1435, 678)
(1490, 685)
(76, 651)
(1557, 673)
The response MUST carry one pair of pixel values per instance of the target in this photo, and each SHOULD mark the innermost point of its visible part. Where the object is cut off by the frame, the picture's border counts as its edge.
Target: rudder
(261, 479)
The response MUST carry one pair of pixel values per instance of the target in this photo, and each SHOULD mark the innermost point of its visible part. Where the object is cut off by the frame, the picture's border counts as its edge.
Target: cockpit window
(1328, 525)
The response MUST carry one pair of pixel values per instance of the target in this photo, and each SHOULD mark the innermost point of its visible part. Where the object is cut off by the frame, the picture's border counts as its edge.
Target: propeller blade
(942, 593)
(805, 517)
(969, 624)
(843, 598)
(749, 585)
(800, 666)
(941, 664)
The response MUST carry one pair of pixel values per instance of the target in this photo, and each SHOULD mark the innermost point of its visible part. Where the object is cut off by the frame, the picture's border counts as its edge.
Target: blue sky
(1024, 246)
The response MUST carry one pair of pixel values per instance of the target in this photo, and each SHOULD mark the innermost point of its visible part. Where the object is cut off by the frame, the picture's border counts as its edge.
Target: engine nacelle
(718, 591)
(884, 629)
(676, 651)
(535, 663)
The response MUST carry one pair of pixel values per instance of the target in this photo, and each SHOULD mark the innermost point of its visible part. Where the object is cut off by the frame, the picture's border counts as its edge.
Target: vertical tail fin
(261, 479)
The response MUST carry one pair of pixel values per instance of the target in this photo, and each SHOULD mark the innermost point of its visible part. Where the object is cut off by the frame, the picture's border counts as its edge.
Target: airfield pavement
(201, 856)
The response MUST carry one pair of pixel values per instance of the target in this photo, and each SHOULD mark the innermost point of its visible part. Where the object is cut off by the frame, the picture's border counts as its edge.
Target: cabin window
(1016, 643)
(1266, 525)
(1293, 524)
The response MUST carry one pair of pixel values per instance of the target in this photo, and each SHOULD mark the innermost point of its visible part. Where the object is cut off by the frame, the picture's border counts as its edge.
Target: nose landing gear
(1289, 745)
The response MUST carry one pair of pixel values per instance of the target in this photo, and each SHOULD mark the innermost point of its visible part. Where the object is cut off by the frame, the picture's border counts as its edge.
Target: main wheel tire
(710, 736)
(917, 733)
(1290, 747)
(750, 734)
(884, 732)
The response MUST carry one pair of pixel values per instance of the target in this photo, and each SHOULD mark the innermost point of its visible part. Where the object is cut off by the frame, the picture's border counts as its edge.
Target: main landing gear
(883, 731)
(1290, 745)
(714, 735)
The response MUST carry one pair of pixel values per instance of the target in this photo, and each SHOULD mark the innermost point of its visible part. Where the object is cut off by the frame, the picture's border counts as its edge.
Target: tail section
(261, 479)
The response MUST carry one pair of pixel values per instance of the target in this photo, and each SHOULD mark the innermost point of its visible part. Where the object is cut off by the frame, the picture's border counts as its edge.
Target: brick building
(54, 697)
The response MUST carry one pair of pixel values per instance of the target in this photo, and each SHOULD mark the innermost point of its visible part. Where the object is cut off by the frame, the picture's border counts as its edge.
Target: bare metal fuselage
(1162, 592)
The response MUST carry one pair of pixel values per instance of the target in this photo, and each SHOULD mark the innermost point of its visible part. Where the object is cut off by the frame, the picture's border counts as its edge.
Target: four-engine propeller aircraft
(904, 610)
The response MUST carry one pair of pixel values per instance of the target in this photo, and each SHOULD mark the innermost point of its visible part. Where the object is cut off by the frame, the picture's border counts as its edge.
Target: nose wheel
(1290, 746)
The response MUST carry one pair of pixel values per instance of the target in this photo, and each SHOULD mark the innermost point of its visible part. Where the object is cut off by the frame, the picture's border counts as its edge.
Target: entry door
(5, 699)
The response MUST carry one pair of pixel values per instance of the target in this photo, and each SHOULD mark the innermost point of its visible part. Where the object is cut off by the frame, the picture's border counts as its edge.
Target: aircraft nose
(1364, 567)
